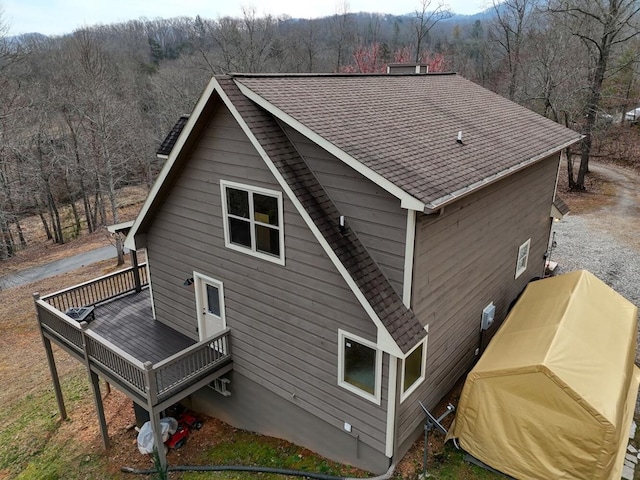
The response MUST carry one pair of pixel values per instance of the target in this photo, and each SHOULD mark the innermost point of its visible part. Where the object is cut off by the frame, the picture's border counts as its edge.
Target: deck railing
(191, 362)
(155, 382)
(100, 289)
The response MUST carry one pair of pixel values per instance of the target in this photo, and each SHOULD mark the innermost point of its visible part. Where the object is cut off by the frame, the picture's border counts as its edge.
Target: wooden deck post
(94, 380)
(52, 363)
(154, 414)
(54, 377)
(97, 398)
(136, 272)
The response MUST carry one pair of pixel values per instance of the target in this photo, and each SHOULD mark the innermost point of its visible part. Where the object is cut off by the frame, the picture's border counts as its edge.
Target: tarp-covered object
(553, 395)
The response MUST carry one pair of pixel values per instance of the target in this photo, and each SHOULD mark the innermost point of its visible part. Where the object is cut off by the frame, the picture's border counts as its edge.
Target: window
(359, 366)
(253, 221)
(213, 299)
(523, 258)
(413, 369)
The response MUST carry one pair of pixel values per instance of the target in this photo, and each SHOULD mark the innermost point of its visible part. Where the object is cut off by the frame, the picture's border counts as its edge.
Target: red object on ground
(186, 423)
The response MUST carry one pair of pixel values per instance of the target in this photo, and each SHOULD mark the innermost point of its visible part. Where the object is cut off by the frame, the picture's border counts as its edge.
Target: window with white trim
(523, 258)
(253, 220)
(359, 366)
(413, 369)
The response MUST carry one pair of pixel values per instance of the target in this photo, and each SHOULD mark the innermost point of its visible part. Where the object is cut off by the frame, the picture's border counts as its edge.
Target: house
(632, 115)
(323, 248)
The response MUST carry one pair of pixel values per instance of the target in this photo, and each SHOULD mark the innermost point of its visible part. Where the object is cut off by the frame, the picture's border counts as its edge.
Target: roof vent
(418, 68)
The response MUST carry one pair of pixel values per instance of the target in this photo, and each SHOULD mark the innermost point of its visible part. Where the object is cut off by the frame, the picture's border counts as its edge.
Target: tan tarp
(553, 395)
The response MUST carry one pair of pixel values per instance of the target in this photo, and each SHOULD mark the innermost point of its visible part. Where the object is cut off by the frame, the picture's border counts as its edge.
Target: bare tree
(602, 26)
(426, 17)
(509, 29)
(340, 30)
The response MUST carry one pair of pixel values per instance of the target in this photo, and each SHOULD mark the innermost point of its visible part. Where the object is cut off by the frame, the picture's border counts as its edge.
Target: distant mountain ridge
(388, 17)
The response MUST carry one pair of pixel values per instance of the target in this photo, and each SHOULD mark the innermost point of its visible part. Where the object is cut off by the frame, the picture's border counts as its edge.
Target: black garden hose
(233, 468)
(241, 468)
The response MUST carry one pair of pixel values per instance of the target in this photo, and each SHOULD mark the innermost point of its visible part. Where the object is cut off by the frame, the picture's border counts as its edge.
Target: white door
(210, 305)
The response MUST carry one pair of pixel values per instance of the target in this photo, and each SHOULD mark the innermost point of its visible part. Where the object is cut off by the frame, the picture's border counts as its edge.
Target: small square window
(359, 366)
(523, 258)
(253, 220)
(413, 370)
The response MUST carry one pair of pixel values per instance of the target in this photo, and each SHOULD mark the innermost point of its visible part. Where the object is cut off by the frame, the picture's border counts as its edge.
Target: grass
(244, 448)
(29, 424)
(450, 465)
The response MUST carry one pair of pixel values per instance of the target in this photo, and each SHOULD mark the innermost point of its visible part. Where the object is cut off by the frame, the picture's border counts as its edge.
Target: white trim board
(409, 251)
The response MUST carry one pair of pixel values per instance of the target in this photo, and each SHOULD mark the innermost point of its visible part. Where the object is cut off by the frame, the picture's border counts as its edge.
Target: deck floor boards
(128, 323)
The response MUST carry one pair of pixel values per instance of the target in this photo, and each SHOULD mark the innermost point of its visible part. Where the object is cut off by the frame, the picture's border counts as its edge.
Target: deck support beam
(158, 442)
(54, 377)
(154, 413)
(52, 365)
(97, 398)
(94, 380)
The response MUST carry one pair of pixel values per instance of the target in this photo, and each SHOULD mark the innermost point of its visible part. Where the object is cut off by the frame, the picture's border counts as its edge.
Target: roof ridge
(334, 74)
(401, 323)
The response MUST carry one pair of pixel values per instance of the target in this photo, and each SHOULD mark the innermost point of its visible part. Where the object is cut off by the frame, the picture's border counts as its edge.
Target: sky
(57, 17)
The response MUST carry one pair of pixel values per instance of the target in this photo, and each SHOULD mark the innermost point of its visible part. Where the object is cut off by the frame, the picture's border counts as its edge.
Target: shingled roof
(400, 322)
(405, 127)
(172, 137)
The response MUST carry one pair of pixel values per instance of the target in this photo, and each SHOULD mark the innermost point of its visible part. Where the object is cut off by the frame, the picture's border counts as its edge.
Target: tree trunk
(23, 242)
(592, 109)
(6, 240)
(76, 217)
(584, 162)
(87, 208)
(45, 224)
(572, 182)
(55, 218)
(83, 189)
(120, 249)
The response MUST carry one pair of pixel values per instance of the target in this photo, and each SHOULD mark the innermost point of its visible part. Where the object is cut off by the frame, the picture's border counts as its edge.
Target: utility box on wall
(488, 314)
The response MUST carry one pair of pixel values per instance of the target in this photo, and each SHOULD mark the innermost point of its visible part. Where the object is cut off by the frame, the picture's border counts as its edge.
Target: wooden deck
(153, 363)
(128, 322)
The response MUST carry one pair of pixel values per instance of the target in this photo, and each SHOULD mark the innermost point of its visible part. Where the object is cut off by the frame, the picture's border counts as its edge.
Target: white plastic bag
(168, 426)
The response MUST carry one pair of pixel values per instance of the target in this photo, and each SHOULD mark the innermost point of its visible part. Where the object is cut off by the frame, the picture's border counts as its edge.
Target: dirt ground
(614, 188)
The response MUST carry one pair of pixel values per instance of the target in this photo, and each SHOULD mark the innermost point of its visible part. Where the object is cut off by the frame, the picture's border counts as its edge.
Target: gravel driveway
(606, 241)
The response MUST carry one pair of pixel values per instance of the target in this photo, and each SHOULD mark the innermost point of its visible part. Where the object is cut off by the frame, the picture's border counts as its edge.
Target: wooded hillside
(82, 115)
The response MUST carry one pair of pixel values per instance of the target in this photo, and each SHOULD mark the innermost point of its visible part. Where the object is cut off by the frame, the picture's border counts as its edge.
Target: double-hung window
(523, 258)
(253, 220)
(359, 366)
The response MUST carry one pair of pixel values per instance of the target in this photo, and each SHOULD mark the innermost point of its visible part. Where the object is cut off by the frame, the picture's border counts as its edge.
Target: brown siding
(284, 320)
(466, 259)
(373, 213)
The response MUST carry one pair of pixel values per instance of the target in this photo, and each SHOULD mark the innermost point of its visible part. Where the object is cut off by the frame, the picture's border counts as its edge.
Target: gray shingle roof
(399, 321)
(172, 137)
(405, 127)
